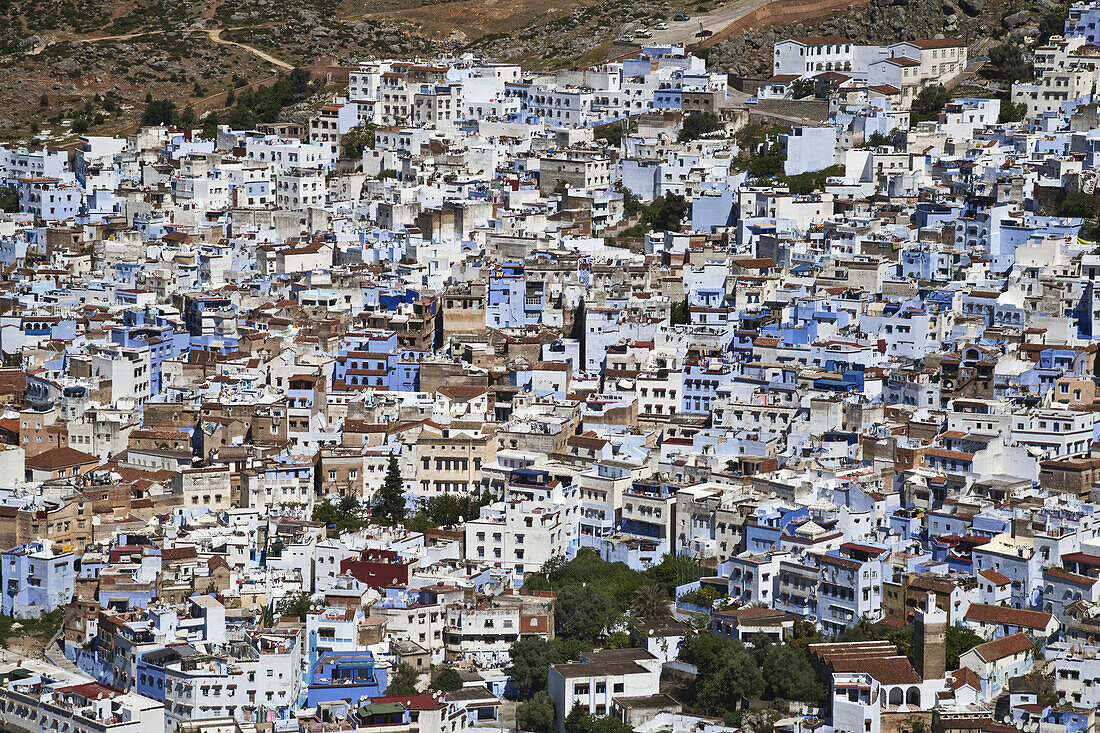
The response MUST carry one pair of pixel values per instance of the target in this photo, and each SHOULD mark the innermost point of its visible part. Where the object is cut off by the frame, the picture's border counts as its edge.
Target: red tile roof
(986, 613)
(991, 651)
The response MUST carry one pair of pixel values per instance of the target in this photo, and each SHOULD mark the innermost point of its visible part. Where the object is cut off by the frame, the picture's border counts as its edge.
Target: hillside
(982, 23)
(79, 66)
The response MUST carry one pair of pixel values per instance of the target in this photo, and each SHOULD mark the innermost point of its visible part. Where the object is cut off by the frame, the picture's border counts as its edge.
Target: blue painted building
(345, 676)
(36, 579)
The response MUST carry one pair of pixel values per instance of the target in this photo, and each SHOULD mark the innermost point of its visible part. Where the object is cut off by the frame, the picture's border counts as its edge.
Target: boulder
(972, 7)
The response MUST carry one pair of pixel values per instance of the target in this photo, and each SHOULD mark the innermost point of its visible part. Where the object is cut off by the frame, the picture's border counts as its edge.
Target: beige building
(449, 461)
(204, 488)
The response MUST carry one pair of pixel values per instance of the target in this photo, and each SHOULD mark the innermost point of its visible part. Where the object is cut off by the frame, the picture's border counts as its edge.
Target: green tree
(9, 199)
(536, 714)
(789, 675)
(803, 88)
(611, 133)
(803, 634)
(447, 680)
(403, 681)
(761, 645)
(768, 165)
(241, 118)
(877, 140)
(159, 112)
(1079, 205)
(668, 211)
(209, 126)
(1006, 62)
(587, 570)
(343, 515)
(446, 510)
(265, 103)
(1053, 23)
(619, 640)
(680, 313)
(751, 137)
(705, 596)
(580, 720)
(294, 604)
(728, 674)
(959, 641)
(929, 103)
(1011, 112)
(801, 184)
(582, 613)
(531, 659)
(530, 662)
(650, 601)
(704, 650)
(737, 680)
(865, 630)
(44, 100)
(356, 140)
(697, 124)
(631, 204)
(389, 502)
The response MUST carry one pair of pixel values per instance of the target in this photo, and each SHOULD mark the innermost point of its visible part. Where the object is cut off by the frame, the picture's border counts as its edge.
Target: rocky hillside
(886, 21)
(560, 39)
(68, 64)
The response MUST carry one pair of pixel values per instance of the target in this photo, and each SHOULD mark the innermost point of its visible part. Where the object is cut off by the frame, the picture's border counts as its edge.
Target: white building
(599, 678)
(517, 536)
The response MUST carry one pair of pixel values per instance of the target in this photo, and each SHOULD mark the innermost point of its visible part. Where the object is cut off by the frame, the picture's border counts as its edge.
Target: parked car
(681, 16)
(662, 26)
(643, 33)
(626, 39)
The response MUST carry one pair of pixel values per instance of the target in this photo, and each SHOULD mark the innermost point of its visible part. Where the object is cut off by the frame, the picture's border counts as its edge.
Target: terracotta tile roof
(994, 577)
(63, 457)
(986, 613)
(937, 43)
(991, 651)
(1069, 577)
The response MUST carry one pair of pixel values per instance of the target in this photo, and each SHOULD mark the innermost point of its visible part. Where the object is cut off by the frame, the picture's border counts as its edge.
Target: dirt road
(683, 32)
(214, 34)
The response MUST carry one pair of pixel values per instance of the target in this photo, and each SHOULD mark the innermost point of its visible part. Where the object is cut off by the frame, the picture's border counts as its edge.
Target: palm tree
(650, 601)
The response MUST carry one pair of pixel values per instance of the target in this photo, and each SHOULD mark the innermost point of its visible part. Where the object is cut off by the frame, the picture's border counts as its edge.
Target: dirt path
(214, 34)
(209, 11)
